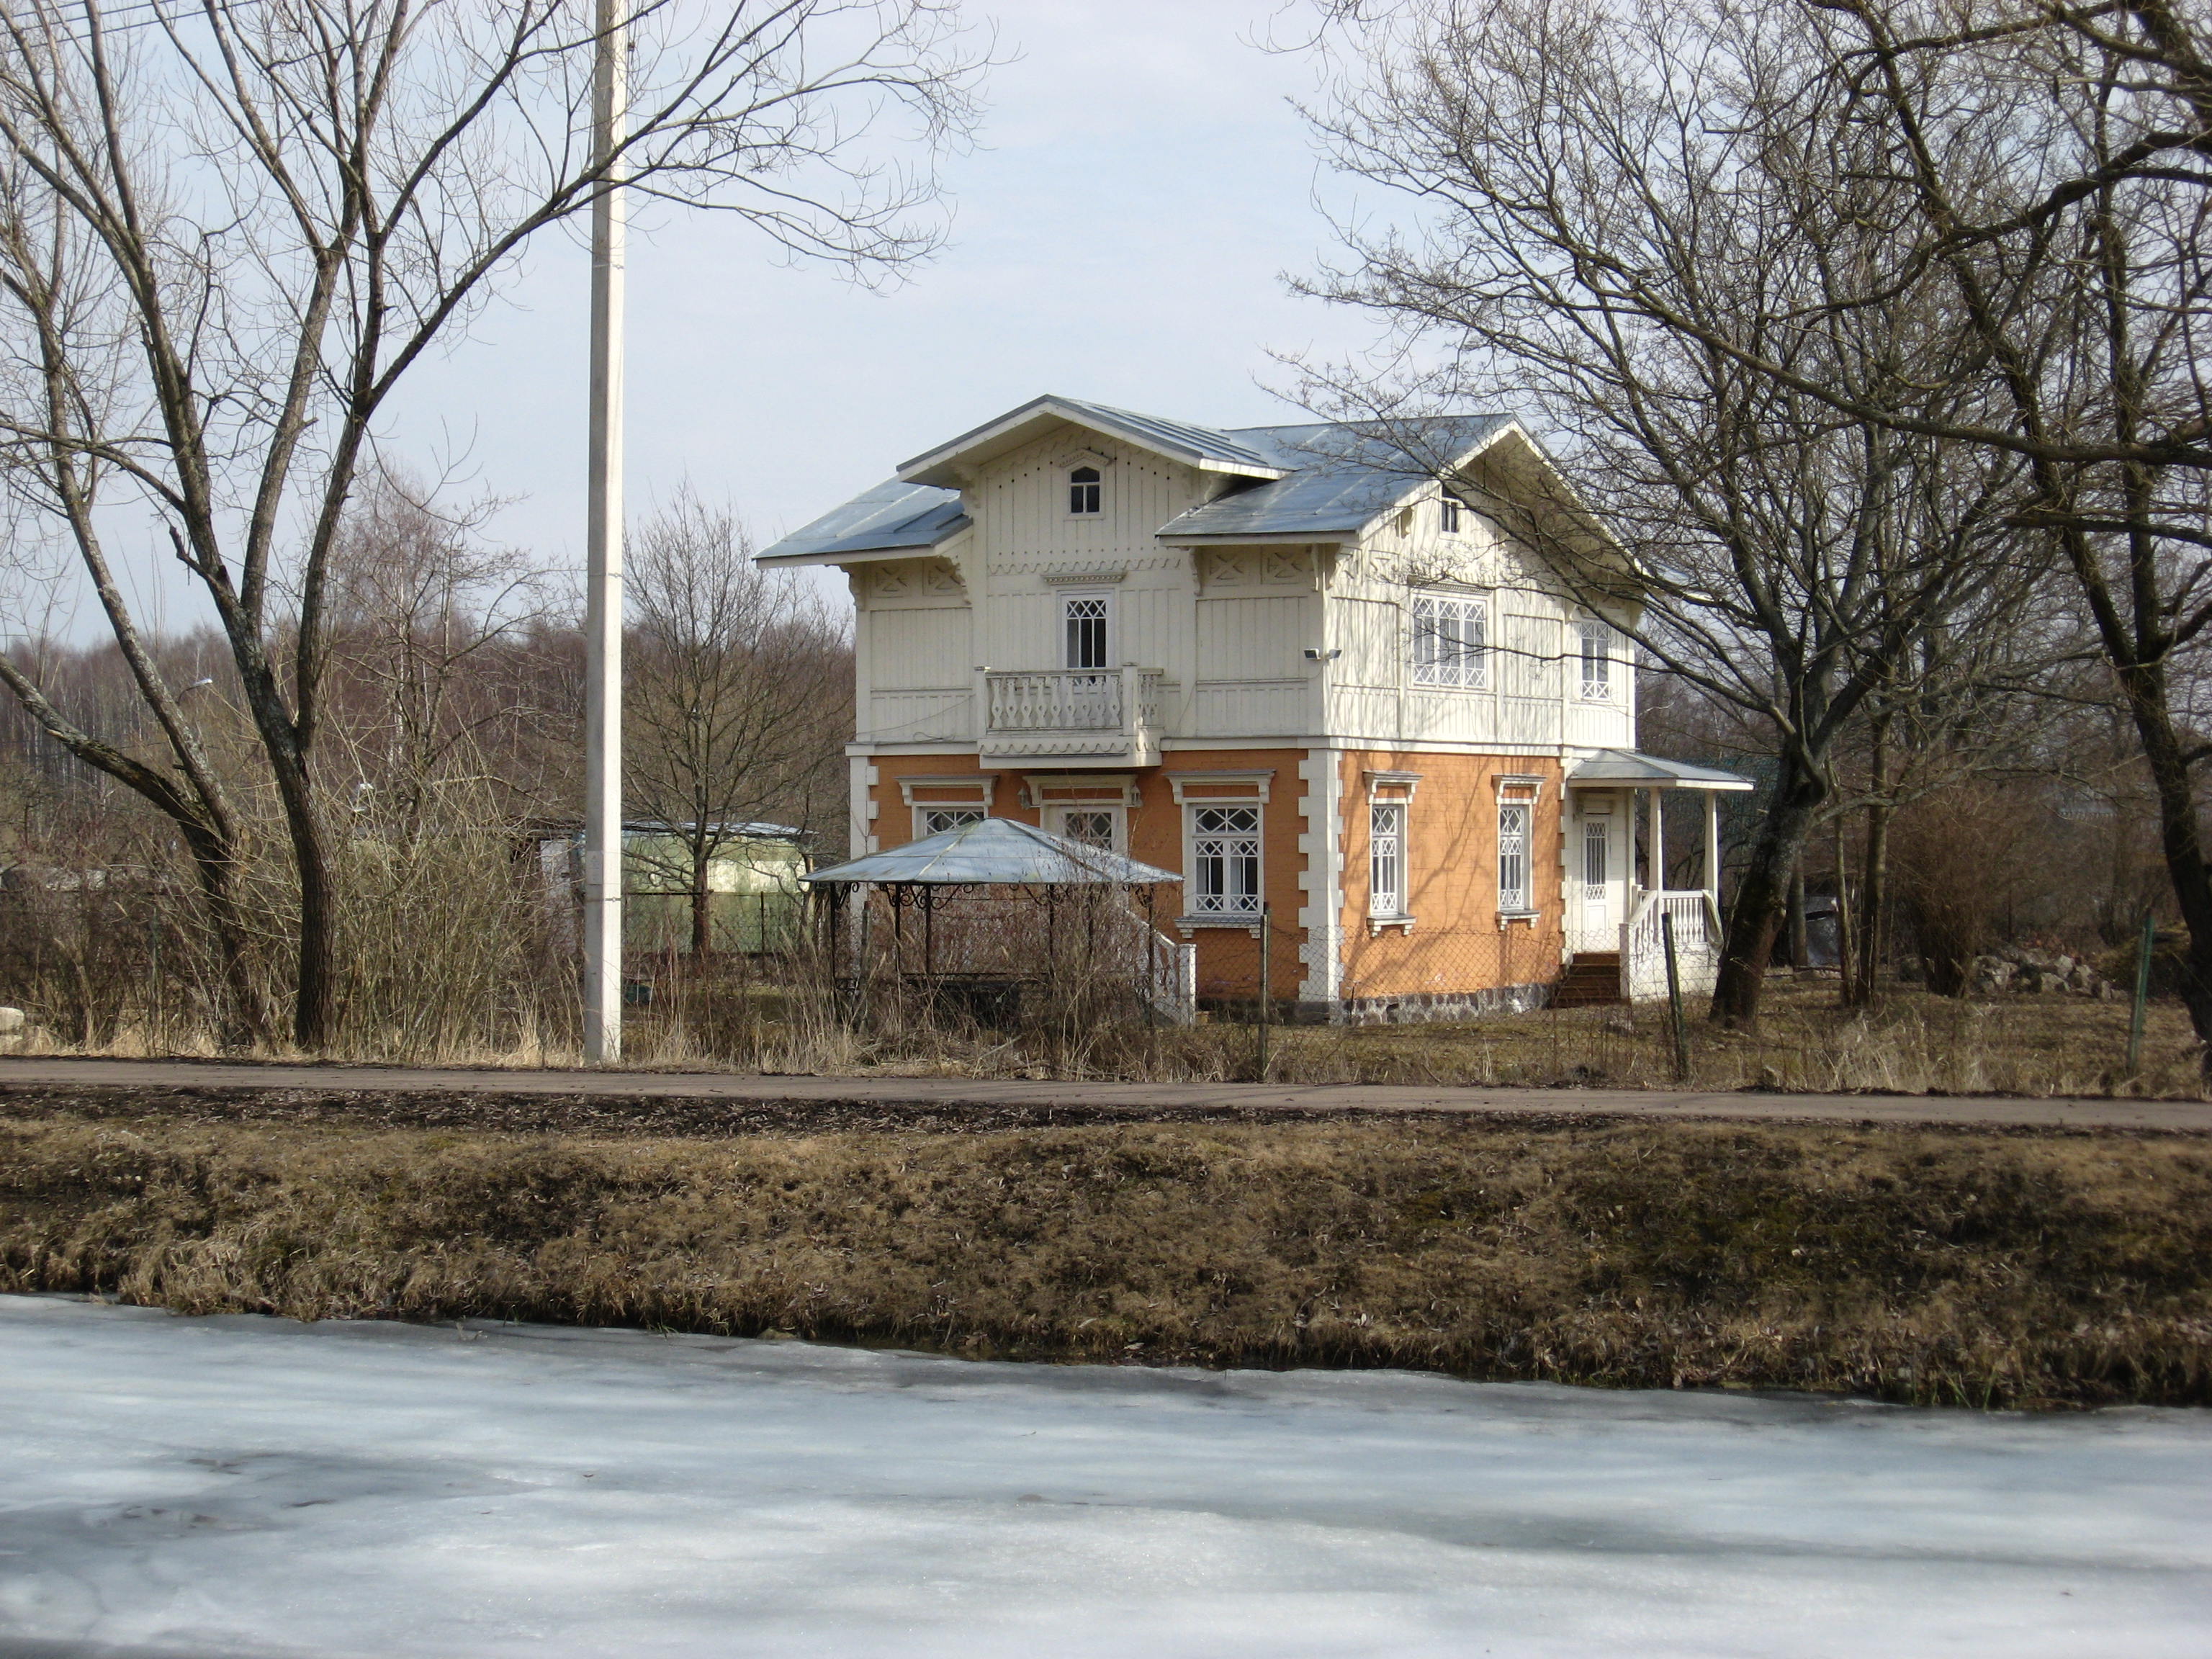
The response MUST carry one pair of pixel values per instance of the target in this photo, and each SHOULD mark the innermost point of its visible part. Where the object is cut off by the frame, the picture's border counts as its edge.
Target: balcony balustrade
(1098, 714)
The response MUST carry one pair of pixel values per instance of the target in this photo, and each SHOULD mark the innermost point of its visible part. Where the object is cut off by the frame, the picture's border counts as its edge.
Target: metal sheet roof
(1196, 446)
(893, 515)
(1625, 768)
(997, 852)
(1341, 477)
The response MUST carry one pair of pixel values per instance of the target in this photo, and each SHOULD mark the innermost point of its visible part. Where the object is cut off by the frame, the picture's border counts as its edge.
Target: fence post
(1674, 998)
(2142, 994)
(1265, 941)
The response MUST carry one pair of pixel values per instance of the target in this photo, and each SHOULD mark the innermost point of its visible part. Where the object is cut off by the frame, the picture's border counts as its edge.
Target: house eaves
(892, 521)
(1199, 447)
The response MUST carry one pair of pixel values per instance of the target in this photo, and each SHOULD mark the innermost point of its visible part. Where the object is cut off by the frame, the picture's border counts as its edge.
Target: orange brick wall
(1457, 943)
(1228, 958)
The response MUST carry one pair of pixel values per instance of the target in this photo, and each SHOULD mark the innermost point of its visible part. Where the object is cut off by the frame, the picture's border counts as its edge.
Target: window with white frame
(1386, 857)
(1597, 662)
(1094, 826)
(1451, 639)
(1516, 814)
(934, 820)
(1083, 490)
(1086, 625)
(1447, 516)
(1224, 855)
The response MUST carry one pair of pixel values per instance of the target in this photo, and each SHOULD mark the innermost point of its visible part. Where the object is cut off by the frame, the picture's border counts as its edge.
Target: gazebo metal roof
(1625, 768)
(996, 853)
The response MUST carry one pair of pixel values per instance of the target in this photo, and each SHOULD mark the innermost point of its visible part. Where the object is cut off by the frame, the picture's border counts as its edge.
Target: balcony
(1080, 716)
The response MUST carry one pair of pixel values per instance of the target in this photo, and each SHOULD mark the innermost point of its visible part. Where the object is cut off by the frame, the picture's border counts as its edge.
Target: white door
(1598, 921)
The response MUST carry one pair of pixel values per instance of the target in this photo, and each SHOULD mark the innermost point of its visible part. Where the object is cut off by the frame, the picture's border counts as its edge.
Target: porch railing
(1071, 699)
(1643, 947)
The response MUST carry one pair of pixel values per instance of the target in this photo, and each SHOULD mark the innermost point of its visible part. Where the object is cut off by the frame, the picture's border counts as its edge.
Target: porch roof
(997, 852)
(1624, 768)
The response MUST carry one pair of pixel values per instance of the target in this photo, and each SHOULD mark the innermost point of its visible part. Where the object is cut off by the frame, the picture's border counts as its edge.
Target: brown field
(1982, 1269)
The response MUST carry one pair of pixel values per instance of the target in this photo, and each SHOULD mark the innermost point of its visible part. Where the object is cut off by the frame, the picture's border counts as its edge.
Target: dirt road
(941, 1097)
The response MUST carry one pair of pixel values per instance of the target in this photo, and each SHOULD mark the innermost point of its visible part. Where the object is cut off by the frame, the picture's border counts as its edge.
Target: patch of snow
(174, 1487)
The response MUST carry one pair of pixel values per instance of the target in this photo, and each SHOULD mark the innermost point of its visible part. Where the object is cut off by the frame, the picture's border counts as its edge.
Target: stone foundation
(1420, 1008)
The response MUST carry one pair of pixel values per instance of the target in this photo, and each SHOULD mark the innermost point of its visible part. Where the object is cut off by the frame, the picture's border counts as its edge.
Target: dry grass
(1983, 1268)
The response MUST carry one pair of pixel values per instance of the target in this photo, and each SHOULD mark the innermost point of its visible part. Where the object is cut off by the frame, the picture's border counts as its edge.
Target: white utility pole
(603, 613)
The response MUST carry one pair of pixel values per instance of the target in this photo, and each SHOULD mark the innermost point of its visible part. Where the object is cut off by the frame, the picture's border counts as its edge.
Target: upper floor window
(1597, 662)
(1448, 517)
(1083, 490)
(1451, 639)
(1085, 621)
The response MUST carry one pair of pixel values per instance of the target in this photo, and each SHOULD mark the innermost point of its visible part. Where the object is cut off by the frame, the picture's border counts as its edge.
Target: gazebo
(1003, 855)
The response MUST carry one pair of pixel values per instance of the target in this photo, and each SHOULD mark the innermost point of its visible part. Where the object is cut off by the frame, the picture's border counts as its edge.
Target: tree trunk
(244, 1021)
(2179, 838)
(1762, 895)
(317, 955)
(1800, 950)
(703, 911)
(1873, 900)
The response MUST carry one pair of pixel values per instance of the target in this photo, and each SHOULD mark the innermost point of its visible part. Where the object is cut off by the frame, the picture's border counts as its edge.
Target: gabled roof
(1320, 482)
(997, 852)
(1194, 445)
(893, 518)
(1336, 478)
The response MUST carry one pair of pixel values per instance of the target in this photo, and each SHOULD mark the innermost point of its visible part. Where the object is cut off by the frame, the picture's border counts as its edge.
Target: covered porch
(1619, 906)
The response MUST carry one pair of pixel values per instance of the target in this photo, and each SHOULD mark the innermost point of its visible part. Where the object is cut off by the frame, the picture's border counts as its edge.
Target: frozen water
(178, 1486)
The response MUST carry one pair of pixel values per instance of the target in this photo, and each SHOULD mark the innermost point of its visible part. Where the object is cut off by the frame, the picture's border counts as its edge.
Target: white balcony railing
(1101, 711)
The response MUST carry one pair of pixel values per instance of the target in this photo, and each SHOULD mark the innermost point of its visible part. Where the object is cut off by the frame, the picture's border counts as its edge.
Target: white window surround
(1448, 514)
(1451, 641)
(1597, 660)
(1080, 789)
(954, 789)
(968, 794)
(1225, 881)
(1090, 822)
(1393, 790)
(1234, 788)
(1088, 636)
(1386, 862)
(1517, 798)
(1086, 491)
(935, 820)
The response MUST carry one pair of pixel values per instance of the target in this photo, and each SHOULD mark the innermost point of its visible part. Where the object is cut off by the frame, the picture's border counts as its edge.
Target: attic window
(1083, 490)
(1449, 522)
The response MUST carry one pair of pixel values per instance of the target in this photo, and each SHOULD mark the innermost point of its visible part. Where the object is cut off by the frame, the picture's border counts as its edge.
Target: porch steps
(1592, 978)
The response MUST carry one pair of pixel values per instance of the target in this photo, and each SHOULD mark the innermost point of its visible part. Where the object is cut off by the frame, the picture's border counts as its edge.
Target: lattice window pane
(1450, 641)
(1597, 661)
(1386, 842)
(1513, 819)
(1092, 828)
(1225, 860)
(1086, 620)
(935, 819)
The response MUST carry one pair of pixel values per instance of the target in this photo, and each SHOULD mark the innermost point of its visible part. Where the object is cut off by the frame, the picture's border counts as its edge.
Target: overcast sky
(1120, 235)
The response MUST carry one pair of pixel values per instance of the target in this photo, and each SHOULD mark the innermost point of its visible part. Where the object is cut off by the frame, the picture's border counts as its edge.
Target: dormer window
(1083, 490)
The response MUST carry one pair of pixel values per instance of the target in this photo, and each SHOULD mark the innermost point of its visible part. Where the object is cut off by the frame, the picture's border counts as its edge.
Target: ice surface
(186, 1486)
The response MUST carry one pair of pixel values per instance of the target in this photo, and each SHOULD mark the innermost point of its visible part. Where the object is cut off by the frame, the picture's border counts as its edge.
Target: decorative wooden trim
(1377, 782)
(1519, 787)
(1239, 788)
(1042, 789)
(964, 789)
(1084, 578)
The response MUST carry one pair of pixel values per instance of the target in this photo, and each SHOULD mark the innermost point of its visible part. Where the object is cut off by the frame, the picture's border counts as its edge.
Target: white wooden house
(1328, 685)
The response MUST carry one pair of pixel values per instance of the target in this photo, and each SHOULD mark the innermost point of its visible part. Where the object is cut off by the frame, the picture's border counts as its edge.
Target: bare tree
(1580, 183)
(739, 692)
(427, 624)
(228, 230)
